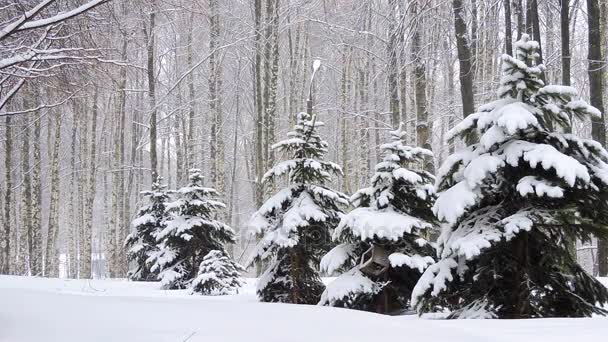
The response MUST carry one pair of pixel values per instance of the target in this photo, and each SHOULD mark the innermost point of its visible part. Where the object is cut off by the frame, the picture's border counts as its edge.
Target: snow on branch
(61, 17)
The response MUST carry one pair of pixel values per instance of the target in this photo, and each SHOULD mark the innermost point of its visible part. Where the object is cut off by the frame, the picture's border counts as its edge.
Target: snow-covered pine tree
(217, 275)
(512, 202)
(189, 234)
(295, 224)
(393, 214)
(141, 242)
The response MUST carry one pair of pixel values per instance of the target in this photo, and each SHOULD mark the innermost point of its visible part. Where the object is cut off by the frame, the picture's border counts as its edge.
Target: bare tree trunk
(8, 197)
(36, 247)
(344, 143)
(152, 92)
(474, 34)
(294, 49)
(403, 64)
(598, 129)
(123, 225)
(565, 39)
(259, 106)
(25, 233)
(464, 56)
(72, 230)
(114, 220)
(422, 116)
(87, 229)
(51, 265)
(190, 139)
(271, 72)
(393, 64)
(215, 103)
(508, 29)
(519, 13)
(536, 28)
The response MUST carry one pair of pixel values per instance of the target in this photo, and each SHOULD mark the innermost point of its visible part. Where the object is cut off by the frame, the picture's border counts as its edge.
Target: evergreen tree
(189, 234)
(394, 215)
(141, 243)
(295, 224)
(217, 275)
(514, 201)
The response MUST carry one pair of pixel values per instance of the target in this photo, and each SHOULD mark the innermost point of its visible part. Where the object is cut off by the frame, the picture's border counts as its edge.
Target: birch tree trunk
(51, 265)
(73, 226)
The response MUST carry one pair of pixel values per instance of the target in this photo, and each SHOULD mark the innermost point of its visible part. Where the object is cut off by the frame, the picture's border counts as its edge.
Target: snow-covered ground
(37, 309)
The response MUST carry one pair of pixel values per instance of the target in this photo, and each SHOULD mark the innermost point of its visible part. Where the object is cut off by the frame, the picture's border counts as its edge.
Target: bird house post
(374, 261)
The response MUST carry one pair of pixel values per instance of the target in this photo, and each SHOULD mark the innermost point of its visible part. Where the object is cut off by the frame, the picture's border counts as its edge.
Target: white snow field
(38, 309)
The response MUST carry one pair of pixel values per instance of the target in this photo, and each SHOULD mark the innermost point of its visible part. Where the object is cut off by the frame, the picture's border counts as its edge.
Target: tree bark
(393, 64)
(152, 93)
(565, 40)
(464, 57)
(87, 231)
(36, 247)
(25, 233)
(271, 73)
(215, 103)
(508, 29)
(51, 265)
(259, 106)
(519, 12)
(598, 129)
(423, 136)
(8, 197)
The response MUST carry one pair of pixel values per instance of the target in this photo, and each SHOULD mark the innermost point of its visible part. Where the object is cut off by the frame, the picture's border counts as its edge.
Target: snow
(515, 116)
(368, 223)
(39, 309)
(347, 284)
(516, 223)
(580, 105)
(407, 175)
(453, 202)
(530, 185)
(478, 169)
(436, 276)
(336, 257)
(414, 261)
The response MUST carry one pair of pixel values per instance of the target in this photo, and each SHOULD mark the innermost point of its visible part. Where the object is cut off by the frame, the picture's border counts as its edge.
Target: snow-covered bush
(141, 243)
(217, 275)
(514, 202)
(295, 224)
(394, 214)
(189, 234)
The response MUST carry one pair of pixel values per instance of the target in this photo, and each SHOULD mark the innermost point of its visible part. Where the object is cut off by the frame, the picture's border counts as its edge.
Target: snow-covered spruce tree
(393, 214)
(295, 224)
(217, 275)
(141, 243)
(512, 203)
(190, 232)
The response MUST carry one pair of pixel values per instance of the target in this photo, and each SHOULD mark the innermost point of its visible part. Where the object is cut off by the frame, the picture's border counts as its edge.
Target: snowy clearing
(37, 309)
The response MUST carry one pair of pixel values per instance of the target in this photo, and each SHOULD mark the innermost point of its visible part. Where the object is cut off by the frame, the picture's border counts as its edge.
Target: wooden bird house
(374, 261)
